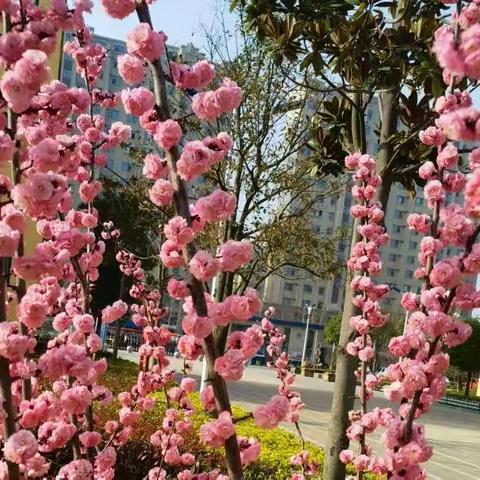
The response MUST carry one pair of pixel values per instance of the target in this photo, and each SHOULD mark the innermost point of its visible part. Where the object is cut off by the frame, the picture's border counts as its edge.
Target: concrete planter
(328, 376)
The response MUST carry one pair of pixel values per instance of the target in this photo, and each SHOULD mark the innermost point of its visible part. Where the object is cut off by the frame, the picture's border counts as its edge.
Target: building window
(126, 167)
(288, 287)
(66, 77)
(321, 291)
(397, 228)
(329, 230)
(391, 272)
(393, 257)
(336, 290)
(412, 244)
(398, 214)
(67, 62)
(115, 80)
(287, 301)
(410, 260)
(408, 274)
(290, 271)
(333, 201)
(401, 200)
(112, 115)
(119, 48)
(320, 213)
(396, 243)
(316, 228)
(307, 288)
(406, 288)
(331, 216)
(110, 163)
(419, 201)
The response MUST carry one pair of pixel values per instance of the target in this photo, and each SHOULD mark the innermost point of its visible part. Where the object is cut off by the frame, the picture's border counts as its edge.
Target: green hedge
(277, 445)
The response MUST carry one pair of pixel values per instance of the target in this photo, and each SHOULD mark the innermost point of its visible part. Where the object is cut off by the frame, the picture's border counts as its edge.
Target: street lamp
(309, 314)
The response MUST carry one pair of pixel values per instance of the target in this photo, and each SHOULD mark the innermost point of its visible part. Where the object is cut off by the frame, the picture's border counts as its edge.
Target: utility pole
(309, 314)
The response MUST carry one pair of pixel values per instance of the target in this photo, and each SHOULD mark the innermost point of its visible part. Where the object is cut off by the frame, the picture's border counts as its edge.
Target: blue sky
(179, 19)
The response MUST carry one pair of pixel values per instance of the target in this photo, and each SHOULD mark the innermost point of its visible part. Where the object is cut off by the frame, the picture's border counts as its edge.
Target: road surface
(454, 433)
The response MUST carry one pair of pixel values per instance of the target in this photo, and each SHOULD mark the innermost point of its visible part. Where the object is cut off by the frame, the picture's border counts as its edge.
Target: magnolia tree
(55, 144)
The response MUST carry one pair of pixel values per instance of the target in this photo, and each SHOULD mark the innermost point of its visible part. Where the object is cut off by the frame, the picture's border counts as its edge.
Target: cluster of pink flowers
(418, 378)
(364, 263)
(211, 105)
(57, 146)
(195, 77)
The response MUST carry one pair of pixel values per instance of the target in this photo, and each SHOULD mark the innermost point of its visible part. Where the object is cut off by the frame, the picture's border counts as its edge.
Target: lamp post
(309, 314)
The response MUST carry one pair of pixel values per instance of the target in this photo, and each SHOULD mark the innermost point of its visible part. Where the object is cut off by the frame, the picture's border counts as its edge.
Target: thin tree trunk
(467, 386)
(344, 393)
(6, 382)
(389, 126)
(232, 451)
(118, 323)
(345, 380)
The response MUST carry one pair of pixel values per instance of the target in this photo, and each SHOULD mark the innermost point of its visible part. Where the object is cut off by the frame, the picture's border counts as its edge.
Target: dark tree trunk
(469, 382)
(118, 323)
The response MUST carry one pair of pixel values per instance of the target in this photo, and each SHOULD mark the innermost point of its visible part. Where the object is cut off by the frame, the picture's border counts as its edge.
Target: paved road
(454, 433)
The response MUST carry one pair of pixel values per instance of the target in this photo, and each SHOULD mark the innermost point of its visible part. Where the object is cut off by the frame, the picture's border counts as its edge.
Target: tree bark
(180, 199)
(467, 386)
(6, 382)
(345, 380)
(344, 392)
(118, 323)
(389, 126)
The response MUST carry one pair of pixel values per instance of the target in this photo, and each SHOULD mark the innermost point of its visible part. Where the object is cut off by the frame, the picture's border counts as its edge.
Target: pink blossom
(445, 275)
(118, 8)
(7, 147)
(461, 124)
(189, 347)
(249, 450)
(9, 239)
(235, 254)
(231, 365)
(178, 231)
(168, 134)
(197, 327)
(448, 156)
(20, 447)
(90, 439)
(84, 323)
(177, 289)
(195, 77)
(207, 398)
(131, 69)
(76, 399)
(216, 207)
(210, 105)
(203, 266)
(76, 469)
(154, 167)
(434, 192)
(138, 100)
(427, 170)
(272, 413)
(216, 432)
(114, 312)
(161, 194)
(171, 254)
(432, 136)
(146, 43)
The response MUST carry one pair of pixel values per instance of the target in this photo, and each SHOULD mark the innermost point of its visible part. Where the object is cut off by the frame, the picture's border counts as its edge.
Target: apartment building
(119, 164)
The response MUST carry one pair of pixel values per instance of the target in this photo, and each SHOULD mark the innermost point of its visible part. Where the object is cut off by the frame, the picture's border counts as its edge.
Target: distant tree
(331, 334)
(466, 357)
